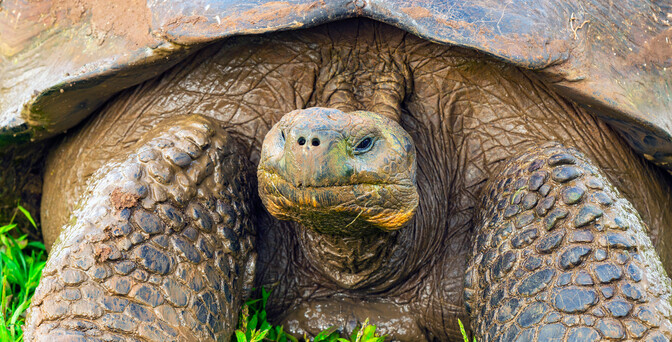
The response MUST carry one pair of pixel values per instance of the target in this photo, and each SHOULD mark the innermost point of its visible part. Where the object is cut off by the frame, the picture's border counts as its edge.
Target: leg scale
(160, 247)
(560, 255)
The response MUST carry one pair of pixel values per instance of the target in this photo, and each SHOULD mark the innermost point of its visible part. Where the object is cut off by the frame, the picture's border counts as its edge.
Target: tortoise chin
(353, 209)
(339, 173)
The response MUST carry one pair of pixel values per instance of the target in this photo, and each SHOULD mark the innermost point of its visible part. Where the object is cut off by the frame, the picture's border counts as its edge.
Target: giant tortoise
(414, 162)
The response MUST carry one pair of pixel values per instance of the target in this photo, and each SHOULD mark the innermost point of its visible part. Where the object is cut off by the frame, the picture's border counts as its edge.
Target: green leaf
(464, 333)
(252, 323)
(36, 245)
(262, 315)
(280, 334)
(19, 311)
(21, 264)
(326, 335)
(27, 214)
(369, 332)
(355, 333)
(240, 336)
(259, 335)
(251, 302)
(264, 297)
(6, 228)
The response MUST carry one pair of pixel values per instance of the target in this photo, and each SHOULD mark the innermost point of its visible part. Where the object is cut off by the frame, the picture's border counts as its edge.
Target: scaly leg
(560, 255)
(160, 247)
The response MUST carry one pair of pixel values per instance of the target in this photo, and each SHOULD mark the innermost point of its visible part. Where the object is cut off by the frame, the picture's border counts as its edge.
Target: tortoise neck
(350, 261)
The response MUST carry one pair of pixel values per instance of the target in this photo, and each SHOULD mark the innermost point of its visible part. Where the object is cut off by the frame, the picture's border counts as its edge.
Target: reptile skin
(475, 123)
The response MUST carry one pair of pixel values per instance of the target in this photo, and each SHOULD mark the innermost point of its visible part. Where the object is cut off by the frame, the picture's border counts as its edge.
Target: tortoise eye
(364, 145)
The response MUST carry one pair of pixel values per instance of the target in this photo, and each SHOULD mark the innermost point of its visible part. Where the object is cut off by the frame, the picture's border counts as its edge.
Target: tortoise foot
(560, 255)
(160, 247)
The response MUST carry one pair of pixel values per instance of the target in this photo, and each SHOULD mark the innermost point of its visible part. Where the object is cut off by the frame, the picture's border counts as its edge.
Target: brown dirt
(268, 12)
(656, 51)
(417, 12)
(121, 200)
(456, 24)
(185, 20)
(102, 252)
(126, 18)
(275, 10)
(21, 23)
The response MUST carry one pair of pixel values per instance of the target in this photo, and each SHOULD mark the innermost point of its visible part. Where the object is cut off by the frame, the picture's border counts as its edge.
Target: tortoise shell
(60, 60)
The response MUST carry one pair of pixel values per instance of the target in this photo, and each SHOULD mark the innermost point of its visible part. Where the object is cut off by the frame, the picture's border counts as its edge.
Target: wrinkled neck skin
(353, 262)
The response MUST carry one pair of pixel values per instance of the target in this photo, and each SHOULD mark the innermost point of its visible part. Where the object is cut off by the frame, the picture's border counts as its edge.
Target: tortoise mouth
(339, 209)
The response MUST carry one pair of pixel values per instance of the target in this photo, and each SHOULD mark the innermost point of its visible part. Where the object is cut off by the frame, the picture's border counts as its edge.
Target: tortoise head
(339, 173)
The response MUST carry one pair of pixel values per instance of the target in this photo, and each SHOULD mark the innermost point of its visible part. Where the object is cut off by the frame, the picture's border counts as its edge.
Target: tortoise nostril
(302, 141)
(316, 142)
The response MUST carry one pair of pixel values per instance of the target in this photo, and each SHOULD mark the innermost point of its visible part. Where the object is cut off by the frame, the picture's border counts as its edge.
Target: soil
(127, 18)
(121, 200)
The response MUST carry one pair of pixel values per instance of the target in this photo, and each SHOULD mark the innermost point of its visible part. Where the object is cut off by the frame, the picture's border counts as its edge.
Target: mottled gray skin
(162, 231)
(560, 255)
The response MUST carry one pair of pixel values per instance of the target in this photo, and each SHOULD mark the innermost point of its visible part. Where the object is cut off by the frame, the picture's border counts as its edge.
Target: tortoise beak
(314, 158)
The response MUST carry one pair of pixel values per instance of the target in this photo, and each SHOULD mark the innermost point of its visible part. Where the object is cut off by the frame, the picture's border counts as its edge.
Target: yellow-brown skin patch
(318, 168)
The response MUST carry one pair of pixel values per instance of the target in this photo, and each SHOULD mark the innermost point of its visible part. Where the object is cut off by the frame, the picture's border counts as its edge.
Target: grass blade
(28, 216)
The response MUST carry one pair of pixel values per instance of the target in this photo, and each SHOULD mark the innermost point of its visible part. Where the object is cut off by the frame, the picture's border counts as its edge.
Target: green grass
(21, 263)
(464, 333)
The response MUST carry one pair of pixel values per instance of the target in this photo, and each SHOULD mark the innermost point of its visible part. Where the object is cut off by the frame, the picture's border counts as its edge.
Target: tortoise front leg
(560, 255)
(160, 247)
